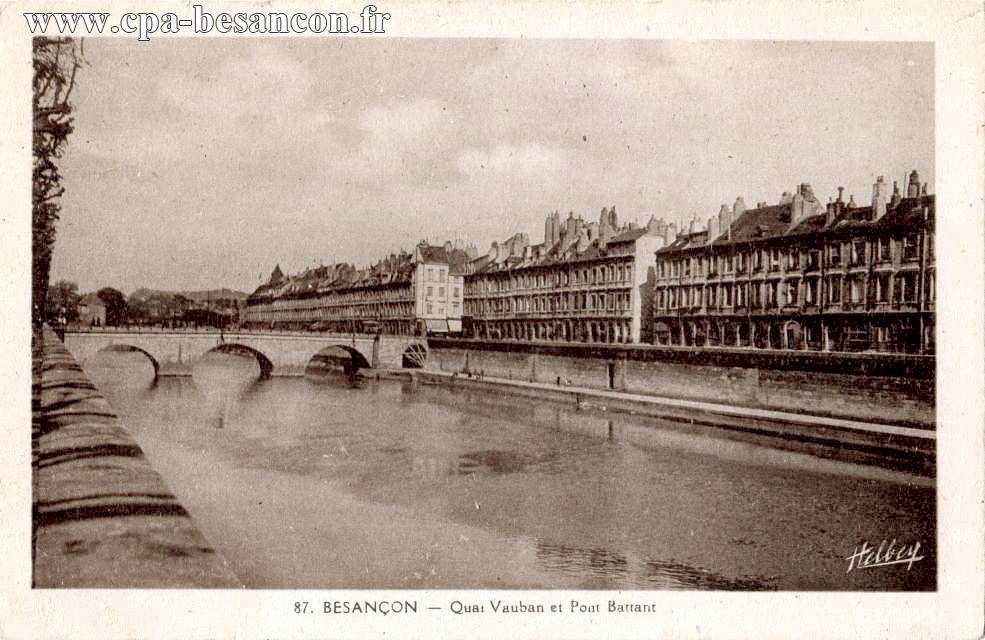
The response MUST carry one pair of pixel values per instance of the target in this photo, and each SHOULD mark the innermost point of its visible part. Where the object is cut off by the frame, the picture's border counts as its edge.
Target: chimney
(694, 225)
(913, 185)
(583, 240)
(571, 225)
(894, 202)
(738, 208)
(672, 232)
(786, 197)
(593, 230)
(797, 208)
(879, 193)
(835, 209)
(713, 229)
(725, 219)
(603, 224)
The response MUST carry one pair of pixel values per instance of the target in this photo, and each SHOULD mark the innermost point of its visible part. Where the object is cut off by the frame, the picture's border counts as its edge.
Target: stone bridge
(277, 353)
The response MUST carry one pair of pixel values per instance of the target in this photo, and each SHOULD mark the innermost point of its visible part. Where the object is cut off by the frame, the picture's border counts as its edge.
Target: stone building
(92, 311)
(799, 275)
(404, 293)
(587, 282)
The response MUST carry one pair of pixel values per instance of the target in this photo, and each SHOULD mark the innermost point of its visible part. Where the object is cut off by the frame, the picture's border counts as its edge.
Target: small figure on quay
(62, 324)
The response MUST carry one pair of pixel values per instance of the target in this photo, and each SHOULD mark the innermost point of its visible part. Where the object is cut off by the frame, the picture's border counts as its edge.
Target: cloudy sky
(203, 162)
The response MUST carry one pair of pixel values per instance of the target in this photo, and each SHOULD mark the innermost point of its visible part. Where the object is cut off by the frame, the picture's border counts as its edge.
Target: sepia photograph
(399, 326)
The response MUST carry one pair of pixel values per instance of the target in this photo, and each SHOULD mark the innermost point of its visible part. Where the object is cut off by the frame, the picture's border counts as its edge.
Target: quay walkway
(102, 517)
(918, 442)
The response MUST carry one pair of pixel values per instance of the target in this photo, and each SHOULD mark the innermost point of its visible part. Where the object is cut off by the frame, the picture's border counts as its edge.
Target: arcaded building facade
(586, 283)
(800, 275)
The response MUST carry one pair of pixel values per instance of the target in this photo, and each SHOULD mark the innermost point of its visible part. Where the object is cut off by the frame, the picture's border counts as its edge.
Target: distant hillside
(194, 296)
(212, 294)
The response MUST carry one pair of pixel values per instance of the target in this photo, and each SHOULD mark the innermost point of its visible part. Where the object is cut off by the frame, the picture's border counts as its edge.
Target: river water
(314, 483)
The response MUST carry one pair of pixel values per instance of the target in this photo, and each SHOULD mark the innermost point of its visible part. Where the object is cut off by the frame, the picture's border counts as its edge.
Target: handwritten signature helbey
(887, 553)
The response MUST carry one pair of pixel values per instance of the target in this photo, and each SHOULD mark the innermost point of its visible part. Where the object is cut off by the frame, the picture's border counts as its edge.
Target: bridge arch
(129, 348)
(350, 358)
(266, 366)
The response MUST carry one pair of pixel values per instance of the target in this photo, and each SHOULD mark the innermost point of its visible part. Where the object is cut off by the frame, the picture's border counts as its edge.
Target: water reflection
(224, 379)
(500, 461)
(311, 481)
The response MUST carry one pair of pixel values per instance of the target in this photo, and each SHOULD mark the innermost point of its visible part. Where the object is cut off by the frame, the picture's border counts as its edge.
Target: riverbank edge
(908, 442)
(102, 517)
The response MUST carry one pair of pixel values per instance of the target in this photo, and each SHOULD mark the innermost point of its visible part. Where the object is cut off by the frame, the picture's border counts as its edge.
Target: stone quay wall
(863, 387)
(102, 517)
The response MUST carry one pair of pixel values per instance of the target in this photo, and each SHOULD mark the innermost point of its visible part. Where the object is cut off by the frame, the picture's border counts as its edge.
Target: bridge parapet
(277, 353)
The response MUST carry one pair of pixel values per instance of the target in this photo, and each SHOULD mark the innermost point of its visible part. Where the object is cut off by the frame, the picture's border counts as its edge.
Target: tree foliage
(116, 306)
(63, 295)
(56, 61)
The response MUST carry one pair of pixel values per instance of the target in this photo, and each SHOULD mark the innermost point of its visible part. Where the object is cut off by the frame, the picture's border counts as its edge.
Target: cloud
(401, 123)
(526, 160)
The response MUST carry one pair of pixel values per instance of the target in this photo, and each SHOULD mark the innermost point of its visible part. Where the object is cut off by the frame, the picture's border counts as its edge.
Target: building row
(791, 275)
(405, 293)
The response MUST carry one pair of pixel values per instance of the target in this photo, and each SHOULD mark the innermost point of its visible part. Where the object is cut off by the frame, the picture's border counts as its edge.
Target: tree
(63, 294)
(56, 61)
(116, 306)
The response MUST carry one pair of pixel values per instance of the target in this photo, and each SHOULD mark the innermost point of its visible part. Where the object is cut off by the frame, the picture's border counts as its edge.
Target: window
(430, 291)
(834, 254)
(430, 309)
(771, 293)
(757, 260)
(881, 284)
(855, 293)
(885, 249)
(906, 287)
(910, 247)
(834, 290)
(810, 291)
(455, 292)
(857, 252)
(813, 260)
(792, 292)
(726, 295)
(740, 265)
(710, 295)
(793, 261)
(740, 295)
(774, 259)
(929, 292)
